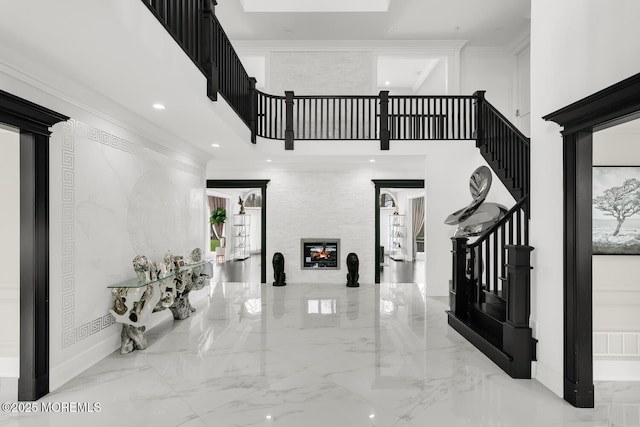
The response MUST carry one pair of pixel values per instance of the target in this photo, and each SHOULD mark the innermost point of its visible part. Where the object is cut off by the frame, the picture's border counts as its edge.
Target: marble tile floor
(402, 271)
(317, 355)
(232, 270)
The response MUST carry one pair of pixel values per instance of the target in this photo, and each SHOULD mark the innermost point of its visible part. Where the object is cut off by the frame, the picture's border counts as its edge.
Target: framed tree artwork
(616, 210)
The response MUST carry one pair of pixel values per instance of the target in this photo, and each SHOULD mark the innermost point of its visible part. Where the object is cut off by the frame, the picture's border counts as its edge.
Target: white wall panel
(111, 199)
(321, 205)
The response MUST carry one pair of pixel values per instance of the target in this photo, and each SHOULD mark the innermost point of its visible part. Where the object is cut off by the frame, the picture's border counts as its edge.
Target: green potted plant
(217, 219)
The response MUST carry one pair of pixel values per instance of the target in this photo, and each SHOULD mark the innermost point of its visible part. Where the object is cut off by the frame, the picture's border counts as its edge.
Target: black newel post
(458, 292)
(479, 133)
(253, 109)
(516, 334)
(288, 130)
(207, 41)
(384, 120)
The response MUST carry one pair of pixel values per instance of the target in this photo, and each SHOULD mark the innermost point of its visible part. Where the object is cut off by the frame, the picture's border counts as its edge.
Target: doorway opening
(399, 228)
(609, 107)
(616, 235)
(34, 123)
(237, 231)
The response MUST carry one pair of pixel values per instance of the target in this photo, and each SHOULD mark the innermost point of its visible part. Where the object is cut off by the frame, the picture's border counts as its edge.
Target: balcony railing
(194, 26)
(368, 117)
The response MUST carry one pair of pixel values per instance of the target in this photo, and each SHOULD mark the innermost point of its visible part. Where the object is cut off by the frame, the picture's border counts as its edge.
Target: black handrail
(520, 205)
(234, 83)
(504, 147)
(487, 255)
(366, 117)
(182, 20)
(196, 29)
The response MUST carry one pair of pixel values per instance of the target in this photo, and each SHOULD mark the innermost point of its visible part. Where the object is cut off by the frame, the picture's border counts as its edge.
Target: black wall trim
(26, 115)
(34, 122)
(251, 183)
(387, 183)
(613, 105)
(597, 110)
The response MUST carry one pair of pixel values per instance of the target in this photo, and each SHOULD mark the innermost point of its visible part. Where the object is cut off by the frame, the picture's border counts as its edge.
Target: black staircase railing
(505, 148)
(488, 255)
(183, 20)
(196, 29)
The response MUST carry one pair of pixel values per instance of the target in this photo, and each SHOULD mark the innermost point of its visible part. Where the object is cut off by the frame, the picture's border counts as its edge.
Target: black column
(34, 266)
(578, 345)
(459, 288)
(288, 131)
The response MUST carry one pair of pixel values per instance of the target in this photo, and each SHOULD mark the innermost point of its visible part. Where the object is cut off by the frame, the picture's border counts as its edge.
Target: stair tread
(496, 313)
(500, 294)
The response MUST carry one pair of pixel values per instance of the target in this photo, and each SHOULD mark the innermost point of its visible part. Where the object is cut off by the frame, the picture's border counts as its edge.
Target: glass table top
(135, 283)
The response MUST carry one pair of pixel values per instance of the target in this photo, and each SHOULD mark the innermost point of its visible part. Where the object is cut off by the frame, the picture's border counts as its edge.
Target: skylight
(315, 5)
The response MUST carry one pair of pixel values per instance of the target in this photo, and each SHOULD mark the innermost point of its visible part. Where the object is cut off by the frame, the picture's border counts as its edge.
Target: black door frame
(251, 183)
(387, 183)
(34, 122)
(614, 105)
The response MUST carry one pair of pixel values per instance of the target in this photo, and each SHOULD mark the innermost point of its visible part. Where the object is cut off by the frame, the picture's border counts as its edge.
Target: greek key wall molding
(73, 131)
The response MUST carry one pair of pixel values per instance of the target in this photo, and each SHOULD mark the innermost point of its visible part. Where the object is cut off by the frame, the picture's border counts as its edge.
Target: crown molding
(383, 46)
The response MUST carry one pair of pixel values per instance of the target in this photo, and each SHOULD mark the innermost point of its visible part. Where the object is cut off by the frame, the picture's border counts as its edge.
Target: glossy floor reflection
(402, 271)
(235, 270)
(317, 355)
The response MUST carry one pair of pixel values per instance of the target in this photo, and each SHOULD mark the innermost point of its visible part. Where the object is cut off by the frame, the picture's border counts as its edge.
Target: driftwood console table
(135, 300)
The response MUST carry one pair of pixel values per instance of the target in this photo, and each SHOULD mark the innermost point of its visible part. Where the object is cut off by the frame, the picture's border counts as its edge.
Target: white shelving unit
(397, 237)
(241, 241)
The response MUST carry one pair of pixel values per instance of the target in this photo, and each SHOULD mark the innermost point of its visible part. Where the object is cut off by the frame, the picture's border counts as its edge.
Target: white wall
(436, 82)
(10, 253)
(348, 67)
(114, 193)
(490, 69)
(113, 196)
(599, 50)
(321, 73)
(321, 205)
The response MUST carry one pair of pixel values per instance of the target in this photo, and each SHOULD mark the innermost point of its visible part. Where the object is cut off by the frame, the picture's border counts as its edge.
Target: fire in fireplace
(320, 253)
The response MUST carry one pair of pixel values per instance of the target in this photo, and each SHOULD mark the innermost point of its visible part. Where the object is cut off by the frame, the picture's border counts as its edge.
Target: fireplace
(320, 254)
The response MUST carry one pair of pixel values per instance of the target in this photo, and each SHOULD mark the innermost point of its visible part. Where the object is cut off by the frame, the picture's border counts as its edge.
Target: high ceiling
(481, 22)
(112, 58)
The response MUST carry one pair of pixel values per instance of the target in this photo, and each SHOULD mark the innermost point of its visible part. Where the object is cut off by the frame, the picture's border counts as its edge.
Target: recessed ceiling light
(372, 416)
(269, 160)
(158, 106)
(215, 145)
(387, 83)
(372, 160)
